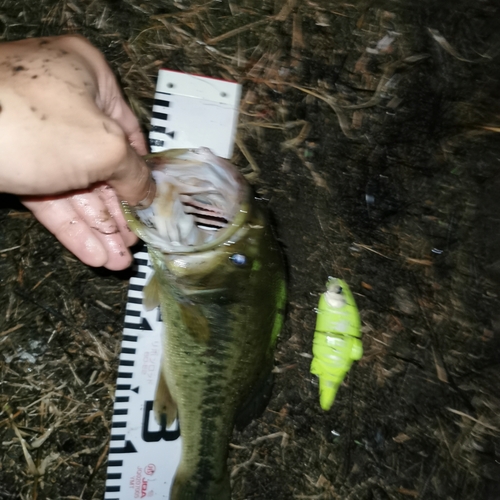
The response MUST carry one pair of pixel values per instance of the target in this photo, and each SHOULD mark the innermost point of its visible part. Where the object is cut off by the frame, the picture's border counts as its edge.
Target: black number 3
(163, 433)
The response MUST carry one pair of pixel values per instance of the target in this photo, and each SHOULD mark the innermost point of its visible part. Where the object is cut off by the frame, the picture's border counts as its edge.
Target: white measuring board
(192, 111)
(188, 111)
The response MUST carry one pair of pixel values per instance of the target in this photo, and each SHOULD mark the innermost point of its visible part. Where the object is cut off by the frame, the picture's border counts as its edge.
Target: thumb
(133, 181)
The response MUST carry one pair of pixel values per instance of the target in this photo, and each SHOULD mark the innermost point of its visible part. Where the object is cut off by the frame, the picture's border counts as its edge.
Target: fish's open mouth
(204, 214)
(197, 204)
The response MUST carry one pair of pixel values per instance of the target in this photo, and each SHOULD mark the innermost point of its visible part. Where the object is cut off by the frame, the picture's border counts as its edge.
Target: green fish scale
(218, 348)
(210, 389)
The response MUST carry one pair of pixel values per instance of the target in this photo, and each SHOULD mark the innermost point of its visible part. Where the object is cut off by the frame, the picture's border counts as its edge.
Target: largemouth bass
(219, 279)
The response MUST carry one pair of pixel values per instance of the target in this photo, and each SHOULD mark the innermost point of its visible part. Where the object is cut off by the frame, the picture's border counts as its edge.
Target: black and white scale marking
(188, 111)
(191, 111)
(143, 456)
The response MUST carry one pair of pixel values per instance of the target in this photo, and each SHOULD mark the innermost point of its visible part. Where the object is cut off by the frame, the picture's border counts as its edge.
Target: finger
(124, 116)
(110, 200)
(92, 210)
(59, 217)
(132, 181)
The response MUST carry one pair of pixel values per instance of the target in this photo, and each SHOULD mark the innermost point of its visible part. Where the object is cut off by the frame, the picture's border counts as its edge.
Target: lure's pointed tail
(328, 383)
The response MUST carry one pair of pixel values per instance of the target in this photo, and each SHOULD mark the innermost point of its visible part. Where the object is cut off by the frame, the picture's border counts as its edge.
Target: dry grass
(370, 127)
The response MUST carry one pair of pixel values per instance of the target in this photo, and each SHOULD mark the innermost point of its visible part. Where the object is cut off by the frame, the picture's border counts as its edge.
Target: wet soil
(374, 126)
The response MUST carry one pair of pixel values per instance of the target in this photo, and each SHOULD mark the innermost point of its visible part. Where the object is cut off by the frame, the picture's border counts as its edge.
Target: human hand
(65, 130)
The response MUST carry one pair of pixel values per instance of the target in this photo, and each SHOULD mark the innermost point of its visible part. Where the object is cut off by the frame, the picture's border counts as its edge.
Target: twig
(241, 29)
(238, 467)
(10, 330)
(342, 119)
(247, 155)
(445, 45)
(491, 129)
(269, 436)
(184, 13)
(466, 415)
(4, 250)
(422, 262)
(370, 249)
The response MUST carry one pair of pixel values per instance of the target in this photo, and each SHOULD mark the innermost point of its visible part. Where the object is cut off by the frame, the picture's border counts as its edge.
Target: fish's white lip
(199, 203)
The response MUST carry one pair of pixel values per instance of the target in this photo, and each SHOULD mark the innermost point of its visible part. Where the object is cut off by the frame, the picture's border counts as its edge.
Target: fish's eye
(238, 259)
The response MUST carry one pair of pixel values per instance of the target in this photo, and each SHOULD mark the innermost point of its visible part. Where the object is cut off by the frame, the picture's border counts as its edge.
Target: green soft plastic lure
(336, 341)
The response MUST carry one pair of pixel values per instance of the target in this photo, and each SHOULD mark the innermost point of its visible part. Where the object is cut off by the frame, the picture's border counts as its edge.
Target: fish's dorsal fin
(164, 406)
(151, 293)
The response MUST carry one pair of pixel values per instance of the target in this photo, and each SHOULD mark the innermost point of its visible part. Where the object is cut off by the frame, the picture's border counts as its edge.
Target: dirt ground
(373, 130)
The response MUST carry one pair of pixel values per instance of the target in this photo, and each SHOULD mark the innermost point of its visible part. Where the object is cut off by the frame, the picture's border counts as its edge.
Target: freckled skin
(58, 91)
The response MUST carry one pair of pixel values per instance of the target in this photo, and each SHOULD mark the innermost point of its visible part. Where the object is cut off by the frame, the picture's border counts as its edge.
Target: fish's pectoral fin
(164, 406)
(195, 322)
(151, 293)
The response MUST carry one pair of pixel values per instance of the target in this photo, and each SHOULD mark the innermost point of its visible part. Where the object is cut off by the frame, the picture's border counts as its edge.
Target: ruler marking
(122, 399)
(132, 314)
(158, 121)
(128, 350)
(115, 463)
(156, 142)
(135, 305)
(159, 129)
(128, 448)
(136, 288)
(120, 411)
(134, 300)
(117, 425)
(133, 281)
(159, 116)
(143, 325)
(135, 295)
(123, 387)
(160, 102)
(125, 375)
(129, 338)
(126, 362)
(118, 437)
